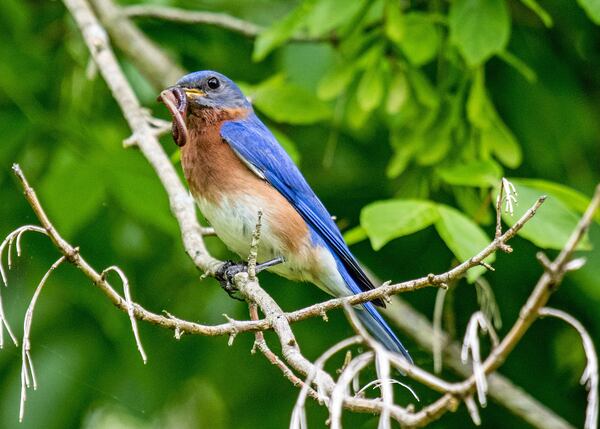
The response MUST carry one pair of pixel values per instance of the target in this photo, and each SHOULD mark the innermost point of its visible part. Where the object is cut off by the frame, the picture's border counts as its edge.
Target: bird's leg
(270, 263)
(229, 269)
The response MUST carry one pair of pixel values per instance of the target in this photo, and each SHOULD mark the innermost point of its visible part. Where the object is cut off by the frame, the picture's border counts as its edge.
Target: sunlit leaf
(286, 102)
(328, 15)
(421, 39)
(397, 93)
(552, 224)
(462, 236)
(479, 173)
(437, 148)
(370, 88)
(569, 196)
(386, 220)
(503, 144)
(479, 28)
(479, 109)
(335, 81)
(394, 22)
(281, 31)
(592, 9)
(355, 235)
(405, 144)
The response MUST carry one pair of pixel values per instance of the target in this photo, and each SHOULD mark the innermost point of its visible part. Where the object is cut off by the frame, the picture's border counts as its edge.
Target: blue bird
(234, 166)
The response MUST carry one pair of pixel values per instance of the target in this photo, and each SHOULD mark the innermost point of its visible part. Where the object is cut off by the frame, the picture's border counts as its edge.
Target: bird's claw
(229, 269)
(226, 273)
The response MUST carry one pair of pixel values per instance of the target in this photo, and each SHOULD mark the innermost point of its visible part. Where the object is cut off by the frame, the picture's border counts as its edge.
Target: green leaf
(72, 192)
(289, 103)
(397, 93)
(592, 9)
(421, 39)
(463, 237)
(386, 220)
(328, 15)
(473, 204)
(280, 32)
(394, 22)
(539, 11)
(423, 89)
(439, 136)
(436, 150)
(335, 81)
(480, 111)
(502, 143)
(572, 198)
(370, 88)
(519, 65)
(479, 28)
(495, 135)
(552, 224)
(355, 235)
(405, 145)
(479, 173)
(399, 161)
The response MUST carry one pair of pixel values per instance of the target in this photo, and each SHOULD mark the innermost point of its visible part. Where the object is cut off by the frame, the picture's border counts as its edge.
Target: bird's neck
(201, 118)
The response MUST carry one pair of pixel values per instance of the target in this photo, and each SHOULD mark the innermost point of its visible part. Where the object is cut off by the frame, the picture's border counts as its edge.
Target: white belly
(234, 221)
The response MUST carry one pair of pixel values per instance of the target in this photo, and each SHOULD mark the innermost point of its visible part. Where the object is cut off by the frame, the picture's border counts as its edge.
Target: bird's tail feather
(377, 327)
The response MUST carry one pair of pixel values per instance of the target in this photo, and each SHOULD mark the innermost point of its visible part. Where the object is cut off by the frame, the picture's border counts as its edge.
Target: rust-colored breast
(213, 171)
(211, 167)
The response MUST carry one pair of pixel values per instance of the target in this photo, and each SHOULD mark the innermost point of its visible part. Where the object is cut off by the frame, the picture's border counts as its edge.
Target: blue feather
(252, 141)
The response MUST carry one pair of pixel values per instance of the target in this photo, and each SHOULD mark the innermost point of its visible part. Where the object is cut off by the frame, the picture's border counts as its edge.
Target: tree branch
(187, 16)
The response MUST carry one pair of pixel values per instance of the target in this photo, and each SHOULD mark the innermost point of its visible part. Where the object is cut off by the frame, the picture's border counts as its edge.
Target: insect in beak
(176, 101)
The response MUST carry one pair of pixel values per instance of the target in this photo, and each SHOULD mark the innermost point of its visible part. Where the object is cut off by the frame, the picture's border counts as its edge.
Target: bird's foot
(226, 273)
(229, 269)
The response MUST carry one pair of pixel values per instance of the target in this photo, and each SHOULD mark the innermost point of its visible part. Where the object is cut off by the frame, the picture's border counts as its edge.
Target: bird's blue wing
(256, 145)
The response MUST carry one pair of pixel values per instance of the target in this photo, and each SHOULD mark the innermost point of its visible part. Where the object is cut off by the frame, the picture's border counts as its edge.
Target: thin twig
(8, 241)
(298, 413)
(471, 349)
(589, 378)
(222, 20)
(437, 329)
(253, 253)
(4, 324)
(130, 307)
(27, 370)
(261, 345)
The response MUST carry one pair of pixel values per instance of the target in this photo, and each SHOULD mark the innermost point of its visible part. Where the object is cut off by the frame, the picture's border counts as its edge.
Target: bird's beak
(194, 93)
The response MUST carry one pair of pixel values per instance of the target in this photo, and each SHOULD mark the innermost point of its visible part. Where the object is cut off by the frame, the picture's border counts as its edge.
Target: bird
(235, 167)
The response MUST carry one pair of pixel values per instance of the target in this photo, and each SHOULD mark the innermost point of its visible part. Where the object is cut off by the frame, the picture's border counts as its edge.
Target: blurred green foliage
(403, 117)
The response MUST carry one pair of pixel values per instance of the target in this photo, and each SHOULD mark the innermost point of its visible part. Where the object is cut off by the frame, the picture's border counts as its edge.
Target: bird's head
(206, 94)
(209, 89)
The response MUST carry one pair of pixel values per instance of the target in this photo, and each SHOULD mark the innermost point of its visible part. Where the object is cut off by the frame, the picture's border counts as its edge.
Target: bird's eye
(213, 83)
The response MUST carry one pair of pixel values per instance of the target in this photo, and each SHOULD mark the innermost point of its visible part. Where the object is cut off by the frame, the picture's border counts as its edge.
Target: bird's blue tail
(373, 321)
(377, 327)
